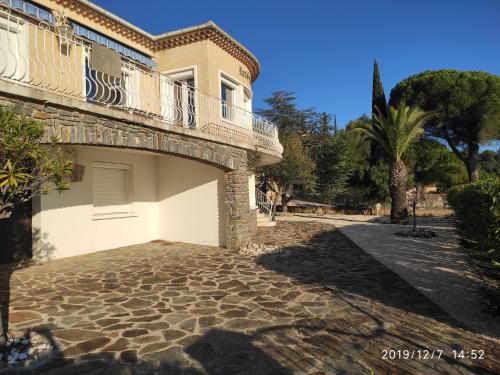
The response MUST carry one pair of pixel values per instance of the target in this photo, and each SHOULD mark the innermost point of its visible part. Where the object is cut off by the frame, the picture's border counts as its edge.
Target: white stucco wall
(172, 198)
(190, 202)
(251, 189)
(66, 222)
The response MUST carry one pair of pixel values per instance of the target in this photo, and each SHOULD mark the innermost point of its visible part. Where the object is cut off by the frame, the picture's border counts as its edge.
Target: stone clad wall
(80, 127)
(237, 205)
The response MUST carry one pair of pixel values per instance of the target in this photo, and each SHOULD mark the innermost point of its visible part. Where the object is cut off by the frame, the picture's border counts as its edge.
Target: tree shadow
(18, 252)
(56, 363)
(306, 346)
(226, 352)
(217, 352)
(332, 260)
(437, 267)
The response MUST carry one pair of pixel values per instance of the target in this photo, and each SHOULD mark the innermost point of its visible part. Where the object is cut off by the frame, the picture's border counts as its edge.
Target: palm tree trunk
(397, 189)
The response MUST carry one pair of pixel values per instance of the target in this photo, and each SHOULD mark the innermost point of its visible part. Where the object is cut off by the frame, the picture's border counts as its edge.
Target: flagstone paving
(323, 306)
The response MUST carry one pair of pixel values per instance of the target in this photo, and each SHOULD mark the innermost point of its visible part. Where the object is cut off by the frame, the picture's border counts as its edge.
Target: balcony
(37, 53)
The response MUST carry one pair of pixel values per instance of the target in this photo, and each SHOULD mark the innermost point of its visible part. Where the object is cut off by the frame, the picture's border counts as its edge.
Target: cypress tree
(325, 126)
(378, 96)
(379, 105)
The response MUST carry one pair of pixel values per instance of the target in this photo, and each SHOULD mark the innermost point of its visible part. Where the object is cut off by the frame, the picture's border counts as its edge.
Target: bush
(477, 208)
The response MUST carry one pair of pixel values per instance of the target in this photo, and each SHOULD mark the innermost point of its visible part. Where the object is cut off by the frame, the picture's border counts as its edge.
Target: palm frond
(402, 126)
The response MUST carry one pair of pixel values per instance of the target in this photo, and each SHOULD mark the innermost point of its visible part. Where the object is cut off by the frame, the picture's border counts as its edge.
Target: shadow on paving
(438, 267)
(365, 294)
(332, 260)
(218, 352)
(16, 252)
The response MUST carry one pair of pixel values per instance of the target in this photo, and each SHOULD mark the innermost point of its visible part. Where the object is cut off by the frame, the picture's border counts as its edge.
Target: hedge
(477, 209)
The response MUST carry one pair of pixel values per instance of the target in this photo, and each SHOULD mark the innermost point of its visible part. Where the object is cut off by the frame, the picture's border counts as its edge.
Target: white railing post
(264, 204)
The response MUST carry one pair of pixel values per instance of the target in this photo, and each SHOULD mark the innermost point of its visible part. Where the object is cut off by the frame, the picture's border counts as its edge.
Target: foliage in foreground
(27, 167)
(477, 207)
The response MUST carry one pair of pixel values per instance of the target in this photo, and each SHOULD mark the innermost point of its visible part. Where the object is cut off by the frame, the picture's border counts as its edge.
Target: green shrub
(477, 208)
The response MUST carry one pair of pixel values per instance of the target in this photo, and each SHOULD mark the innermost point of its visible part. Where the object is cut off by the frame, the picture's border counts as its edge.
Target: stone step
(266, 224)
(264, 220)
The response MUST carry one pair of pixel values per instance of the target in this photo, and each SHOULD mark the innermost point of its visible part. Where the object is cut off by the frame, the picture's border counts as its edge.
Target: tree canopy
(468, 104)
(490, 163)
(294, 174)
(321, 147)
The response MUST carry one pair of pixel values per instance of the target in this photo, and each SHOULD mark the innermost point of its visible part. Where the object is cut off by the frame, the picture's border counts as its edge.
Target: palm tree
(394, 133)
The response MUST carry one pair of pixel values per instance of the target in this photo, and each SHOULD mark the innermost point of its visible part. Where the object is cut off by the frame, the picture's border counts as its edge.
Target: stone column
(237, 205)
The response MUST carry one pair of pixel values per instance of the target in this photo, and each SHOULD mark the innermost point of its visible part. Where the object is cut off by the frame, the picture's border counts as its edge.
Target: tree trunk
(414, 206)
(397, 189)
(16, 249)
(275, 200)
(284, 203)
(472, 163)
(6, 271)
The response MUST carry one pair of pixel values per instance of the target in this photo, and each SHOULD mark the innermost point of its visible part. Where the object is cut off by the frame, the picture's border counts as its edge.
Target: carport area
(126, 197)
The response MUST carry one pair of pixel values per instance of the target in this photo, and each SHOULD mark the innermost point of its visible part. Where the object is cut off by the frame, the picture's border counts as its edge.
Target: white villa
(160, 126)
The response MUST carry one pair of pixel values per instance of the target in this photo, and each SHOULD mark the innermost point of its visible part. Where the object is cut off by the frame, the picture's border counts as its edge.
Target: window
(103, 88)
(130, 96)
(178, 98)
(227, 97)
(110, 189)
(236, 98)
(247, 101)
(122, 91)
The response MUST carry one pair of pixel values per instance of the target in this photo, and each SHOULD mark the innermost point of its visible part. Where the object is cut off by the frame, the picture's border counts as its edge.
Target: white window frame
(240, 89)
(233, 101)
(120, 211)
(178, 75)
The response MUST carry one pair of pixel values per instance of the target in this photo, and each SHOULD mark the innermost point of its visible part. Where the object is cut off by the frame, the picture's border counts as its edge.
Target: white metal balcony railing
(55, 60)
(264, 204)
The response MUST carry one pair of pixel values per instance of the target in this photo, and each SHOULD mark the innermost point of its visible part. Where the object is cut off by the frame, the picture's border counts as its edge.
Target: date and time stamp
(429, 355)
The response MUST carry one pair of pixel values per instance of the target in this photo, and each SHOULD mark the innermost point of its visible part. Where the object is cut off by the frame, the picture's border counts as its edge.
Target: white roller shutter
(109, 188)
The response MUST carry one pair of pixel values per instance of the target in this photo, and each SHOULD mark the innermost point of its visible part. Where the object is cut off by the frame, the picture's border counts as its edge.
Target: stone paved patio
(323, 307)
(437, 267)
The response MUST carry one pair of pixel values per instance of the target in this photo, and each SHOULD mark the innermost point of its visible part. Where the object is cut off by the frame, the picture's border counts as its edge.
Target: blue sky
(324, 50)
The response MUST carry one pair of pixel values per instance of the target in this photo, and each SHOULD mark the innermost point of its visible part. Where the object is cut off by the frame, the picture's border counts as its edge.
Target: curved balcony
(52, 58)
